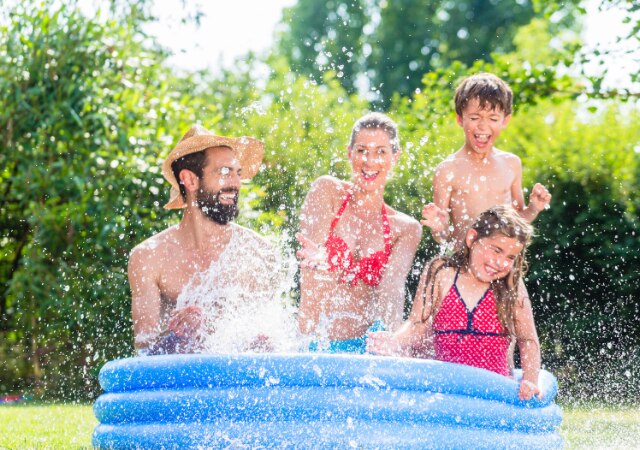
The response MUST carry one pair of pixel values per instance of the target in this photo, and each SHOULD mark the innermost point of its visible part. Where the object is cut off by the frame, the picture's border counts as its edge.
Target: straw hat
(198, 138)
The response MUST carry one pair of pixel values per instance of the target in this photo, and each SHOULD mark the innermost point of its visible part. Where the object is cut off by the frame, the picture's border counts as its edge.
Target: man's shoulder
(250, 236)
(158, 243)
(253, 248)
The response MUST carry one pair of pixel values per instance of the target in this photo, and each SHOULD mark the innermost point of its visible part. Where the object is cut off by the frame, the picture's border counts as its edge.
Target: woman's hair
(373, 121)
(499, 219)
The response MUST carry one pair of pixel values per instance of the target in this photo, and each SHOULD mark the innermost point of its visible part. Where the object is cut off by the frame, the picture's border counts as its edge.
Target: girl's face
(371, 158)
(492, 257)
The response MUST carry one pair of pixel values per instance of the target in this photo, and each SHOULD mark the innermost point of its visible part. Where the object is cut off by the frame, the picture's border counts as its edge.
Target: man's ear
(189, 180)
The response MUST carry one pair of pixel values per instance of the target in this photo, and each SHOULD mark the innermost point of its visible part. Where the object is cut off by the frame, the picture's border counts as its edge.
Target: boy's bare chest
(487, 180)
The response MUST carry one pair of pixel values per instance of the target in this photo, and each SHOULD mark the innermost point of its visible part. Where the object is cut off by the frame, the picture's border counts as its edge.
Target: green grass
(52, 426)
(70, 427)
(601, 427)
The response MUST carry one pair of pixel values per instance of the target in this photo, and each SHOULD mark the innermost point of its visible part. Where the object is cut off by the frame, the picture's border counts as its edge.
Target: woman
(356, 251)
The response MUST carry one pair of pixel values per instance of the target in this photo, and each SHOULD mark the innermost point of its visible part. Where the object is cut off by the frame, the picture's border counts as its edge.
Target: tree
(88, 110)
(325, 36)
(392, 44)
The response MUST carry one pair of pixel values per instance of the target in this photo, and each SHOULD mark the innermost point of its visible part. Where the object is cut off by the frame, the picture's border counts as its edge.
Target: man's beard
(209, 204)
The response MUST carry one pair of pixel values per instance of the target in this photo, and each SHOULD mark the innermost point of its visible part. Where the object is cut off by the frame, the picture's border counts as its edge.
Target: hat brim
(250, 152)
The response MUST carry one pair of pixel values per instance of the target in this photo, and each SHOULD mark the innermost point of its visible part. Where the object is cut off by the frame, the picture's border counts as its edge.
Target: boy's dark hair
(490, 90)
(194, 162)
(377, 121)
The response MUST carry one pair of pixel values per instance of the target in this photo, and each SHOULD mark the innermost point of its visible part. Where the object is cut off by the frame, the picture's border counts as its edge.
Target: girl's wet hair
(492, 92)
(377, 121)
(502, 220)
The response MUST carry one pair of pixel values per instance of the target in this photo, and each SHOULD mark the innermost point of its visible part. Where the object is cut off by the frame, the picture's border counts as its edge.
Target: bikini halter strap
(386, 228)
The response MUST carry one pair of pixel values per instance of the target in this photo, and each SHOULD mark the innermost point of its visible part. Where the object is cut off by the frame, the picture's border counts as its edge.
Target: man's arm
(145, 298)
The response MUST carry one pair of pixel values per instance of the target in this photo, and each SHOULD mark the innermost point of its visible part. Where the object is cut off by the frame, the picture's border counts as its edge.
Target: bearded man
(204, 171)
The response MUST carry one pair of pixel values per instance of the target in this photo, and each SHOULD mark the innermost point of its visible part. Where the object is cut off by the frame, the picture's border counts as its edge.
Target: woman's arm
(390, 293)
(415, 336)
(315, 219)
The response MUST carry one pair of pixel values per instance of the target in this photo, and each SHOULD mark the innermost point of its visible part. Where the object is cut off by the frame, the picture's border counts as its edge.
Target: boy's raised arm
(539, 198)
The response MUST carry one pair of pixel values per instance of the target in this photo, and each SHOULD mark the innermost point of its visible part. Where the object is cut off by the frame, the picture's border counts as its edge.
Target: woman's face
(372, 159)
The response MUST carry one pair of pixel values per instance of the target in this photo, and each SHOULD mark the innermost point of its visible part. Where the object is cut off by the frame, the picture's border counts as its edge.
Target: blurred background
(95, 94)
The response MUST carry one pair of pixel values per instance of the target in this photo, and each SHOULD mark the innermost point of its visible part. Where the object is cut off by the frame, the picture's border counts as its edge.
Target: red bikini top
(368, 269)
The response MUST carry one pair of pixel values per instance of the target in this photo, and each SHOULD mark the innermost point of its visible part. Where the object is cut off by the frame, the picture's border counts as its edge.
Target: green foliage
(325, 36)
(89, 111)
(584, 277)
(393, 43)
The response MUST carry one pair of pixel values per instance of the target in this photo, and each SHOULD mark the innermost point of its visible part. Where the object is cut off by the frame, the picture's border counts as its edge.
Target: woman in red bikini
(356, 250)
(468, 306)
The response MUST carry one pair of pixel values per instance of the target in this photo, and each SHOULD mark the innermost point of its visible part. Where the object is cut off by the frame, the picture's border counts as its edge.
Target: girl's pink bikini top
(368, 269)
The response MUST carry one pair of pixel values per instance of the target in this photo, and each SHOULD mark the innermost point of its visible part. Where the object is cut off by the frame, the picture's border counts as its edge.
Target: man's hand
(539, 197)
(186, 322)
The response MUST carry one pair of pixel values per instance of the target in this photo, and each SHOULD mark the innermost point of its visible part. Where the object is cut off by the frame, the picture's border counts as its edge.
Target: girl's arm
(528, 345)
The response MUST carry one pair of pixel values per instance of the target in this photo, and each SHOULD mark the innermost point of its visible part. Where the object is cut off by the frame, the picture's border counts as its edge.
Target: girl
(469, 305)
(356, 250)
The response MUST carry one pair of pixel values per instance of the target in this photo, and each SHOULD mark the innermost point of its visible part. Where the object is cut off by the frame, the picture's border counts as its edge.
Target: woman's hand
(383, 343)
(311, 255)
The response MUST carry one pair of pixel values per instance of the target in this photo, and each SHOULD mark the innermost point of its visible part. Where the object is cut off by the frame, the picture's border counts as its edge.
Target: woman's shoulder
(403, 222)
(329, 183)
(327, 190)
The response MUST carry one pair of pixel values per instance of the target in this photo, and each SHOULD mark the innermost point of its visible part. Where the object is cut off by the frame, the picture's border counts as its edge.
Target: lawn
(70, 426)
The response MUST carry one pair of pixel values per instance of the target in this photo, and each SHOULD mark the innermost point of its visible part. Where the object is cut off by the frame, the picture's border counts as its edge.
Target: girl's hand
(528, 390)
(185, 322)
(435, 218)
(382, 343)
(311, 255)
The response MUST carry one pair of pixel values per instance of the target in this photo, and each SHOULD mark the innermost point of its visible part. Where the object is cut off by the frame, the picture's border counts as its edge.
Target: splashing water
(245, 300)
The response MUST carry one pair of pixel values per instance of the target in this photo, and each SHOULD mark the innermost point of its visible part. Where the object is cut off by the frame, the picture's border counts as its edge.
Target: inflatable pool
(317, 401)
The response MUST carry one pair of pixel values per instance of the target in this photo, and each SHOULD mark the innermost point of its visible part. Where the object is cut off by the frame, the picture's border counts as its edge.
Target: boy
(479, 176)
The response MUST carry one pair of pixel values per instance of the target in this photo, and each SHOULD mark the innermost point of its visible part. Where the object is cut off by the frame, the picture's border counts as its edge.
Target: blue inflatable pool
(317, 401)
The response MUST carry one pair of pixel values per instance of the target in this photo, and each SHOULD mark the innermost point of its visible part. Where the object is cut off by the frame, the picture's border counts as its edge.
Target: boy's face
(481, 126)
